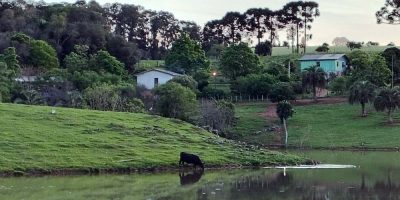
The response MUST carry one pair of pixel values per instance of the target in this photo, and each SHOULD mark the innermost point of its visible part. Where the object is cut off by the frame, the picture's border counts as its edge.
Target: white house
(154, 77)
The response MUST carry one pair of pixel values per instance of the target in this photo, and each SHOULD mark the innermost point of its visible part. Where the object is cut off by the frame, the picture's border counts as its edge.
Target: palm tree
(284, 110)
(388, 100)
(314, 77)
(362, 92)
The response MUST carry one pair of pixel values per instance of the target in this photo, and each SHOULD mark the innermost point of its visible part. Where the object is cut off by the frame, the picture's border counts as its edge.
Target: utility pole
(392, 70)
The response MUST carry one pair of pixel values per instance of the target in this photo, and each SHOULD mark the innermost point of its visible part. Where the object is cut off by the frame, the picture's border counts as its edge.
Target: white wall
(147, 79)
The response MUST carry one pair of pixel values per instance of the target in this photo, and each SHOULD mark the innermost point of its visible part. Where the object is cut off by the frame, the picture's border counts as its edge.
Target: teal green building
(330, 63)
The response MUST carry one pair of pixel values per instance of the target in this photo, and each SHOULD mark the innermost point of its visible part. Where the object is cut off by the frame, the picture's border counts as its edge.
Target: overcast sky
(354, 19)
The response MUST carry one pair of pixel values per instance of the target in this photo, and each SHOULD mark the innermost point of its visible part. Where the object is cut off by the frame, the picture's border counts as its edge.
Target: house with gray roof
(154, 77)
(330, 63)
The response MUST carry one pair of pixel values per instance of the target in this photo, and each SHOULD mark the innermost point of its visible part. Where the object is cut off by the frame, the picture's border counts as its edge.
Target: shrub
(217, 115)
(212, 92)
(175, 101)
(338, 85)
(186, 81)
(254, 84)
(264, 49)
(282, 91)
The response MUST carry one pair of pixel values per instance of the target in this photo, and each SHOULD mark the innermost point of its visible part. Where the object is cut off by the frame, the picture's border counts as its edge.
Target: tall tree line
(295, 17)
(130, 32)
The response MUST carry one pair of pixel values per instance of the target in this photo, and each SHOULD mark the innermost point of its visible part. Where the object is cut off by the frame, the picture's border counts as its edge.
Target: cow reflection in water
(190, 177)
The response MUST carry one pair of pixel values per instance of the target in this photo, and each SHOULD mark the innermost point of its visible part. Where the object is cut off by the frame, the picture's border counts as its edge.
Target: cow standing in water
(190, 159)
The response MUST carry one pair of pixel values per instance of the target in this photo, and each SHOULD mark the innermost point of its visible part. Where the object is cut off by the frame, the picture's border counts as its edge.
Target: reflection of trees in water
(278, 186)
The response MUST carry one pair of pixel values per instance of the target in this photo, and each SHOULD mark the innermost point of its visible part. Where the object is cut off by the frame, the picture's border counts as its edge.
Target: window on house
(337, 63)
(319, 64)
(155, 82)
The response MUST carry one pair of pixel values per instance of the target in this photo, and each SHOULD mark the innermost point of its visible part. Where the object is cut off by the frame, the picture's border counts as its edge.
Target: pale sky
(354, 19)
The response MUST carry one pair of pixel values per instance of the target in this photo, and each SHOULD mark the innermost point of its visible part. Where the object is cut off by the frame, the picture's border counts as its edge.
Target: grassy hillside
(340, 125)
(34, 139)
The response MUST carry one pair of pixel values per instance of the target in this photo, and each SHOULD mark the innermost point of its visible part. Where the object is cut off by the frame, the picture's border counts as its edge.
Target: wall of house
(329, 66)
(147, 79)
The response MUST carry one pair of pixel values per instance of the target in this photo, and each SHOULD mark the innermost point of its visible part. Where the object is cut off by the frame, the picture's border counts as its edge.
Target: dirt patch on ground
(270, 112)
(321, 101)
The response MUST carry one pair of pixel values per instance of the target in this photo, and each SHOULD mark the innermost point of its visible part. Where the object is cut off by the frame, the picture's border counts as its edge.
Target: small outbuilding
(154, 77)
(330, 63)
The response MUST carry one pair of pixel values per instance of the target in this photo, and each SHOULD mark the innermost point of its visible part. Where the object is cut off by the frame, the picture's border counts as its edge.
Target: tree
(239, 60)
(254, 84)
(284, 110)
(255, 21)
(354, 45)
(103, 62)
(369, 67)
(175, 101)
(264, 49)
(388, 100)
(323, 48)
(314, 77)
(78, 60)
(392, 57)
(340, 41)
(9, 70)
(186, 56)
(309, 10)
(362, 92)
(389, 13)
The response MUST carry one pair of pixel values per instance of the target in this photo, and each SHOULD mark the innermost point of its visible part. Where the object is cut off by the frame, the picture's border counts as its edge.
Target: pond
(376, 176)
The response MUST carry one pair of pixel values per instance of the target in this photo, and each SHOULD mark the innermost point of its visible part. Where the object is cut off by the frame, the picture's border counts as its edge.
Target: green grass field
(279, 51)
(320, 126)
(34, 139)
(340, 125)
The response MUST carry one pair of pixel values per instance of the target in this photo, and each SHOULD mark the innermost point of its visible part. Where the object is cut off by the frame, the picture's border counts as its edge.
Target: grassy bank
(340, 125)
(34, 139)
(252, 125)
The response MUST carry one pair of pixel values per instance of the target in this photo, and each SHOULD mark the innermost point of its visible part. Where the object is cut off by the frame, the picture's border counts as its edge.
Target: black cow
(190, 159)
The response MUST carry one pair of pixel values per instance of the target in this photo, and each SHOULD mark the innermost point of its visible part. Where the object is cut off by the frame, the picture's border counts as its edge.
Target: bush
(282, 91)
(186, 81)
(264, 49)
(217, 115)
(175, 101)
(212, 92)
(338, 85)
(254, 84)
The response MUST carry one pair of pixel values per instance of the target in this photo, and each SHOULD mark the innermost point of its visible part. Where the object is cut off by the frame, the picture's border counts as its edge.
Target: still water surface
(376, 176)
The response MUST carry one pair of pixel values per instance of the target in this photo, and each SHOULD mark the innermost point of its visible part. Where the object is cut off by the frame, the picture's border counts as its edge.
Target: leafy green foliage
(9, 70)
(362, 92)
(284, 110)
(42, 55)
(388, 100)
(104, 62)
(254, 84)
(186, 56)
(175, 101)
(369, 67)
(186, 81)
(282, 91)
(239, 60)
(338, 85)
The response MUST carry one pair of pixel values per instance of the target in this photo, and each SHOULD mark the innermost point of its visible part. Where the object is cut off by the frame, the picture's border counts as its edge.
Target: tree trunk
(315, 93)
(390, 116)
(305, 35)
(286, 133)
(297, 40)
(363, 112)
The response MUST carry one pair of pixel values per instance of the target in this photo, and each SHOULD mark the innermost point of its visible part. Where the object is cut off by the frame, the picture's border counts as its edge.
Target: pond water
(376, 176)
